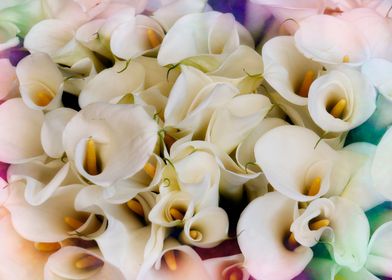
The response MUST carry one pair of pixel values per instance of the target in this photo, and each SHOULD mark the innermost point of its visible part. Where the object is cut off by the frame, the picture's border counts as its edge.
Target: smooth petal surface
(336, 85)
(329, 39)
(8, 80)
(290, 160)
(285, 68)
(378, 72)
(212, 223)
(44, 223)
(262, 240)
(109, 125)
(381, 168)
(52, 131)
(20, 129)
(230, 125)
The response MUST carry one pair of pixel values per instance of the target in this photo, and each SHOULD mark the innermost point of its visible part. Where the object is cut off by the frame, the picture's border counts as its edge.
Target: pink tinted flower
(18, 257)
(8, 81)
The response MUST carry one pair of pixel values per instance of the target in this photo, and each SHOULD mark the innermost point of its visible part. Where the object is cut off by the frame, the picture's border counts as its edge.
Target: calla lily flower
(193, 99)
(124, 240)
(356, 161)
(24, 143)
(9, 34)
(213, 36)
(376, 264)
(41, 82)
(324, 219)
(137, 36)
(291, 9)
(232, 176)
(94, 140)
(226, 267)
(378, 72)
(296, 162)
(50, 222)
(78, 263)
(173, 263)
(231, 124)
(206, 229)
(380, 169)
(52, 131)
(141, 183)
(169, 13)
(264, 241)
(125, 79)
(341, 100)
(43, 178)
(287, 70)
(17, 252)
(9, 83)
(331, 40)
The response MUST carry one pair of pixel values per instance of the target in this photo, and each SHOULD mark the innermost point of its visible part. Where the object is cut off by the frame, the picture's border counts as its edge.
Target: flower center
(176, 214)
(153, 38)
(88, 262)
(306, 83)
(73, 223)
(316, 225)
(149, 169)
(234, 273)
(91, 159)
(136, 207)
(170, 260)
(346, 59)
(195, 234)
(314, 187)
(337, 110)
(42, 98)
(47, 247)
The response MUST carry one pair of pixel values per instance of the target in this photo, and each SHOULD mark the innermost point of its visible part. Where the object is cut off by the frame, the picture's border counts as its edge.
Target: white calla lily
(379, 257)
(141, 183)
(20, 128)
(198, 174)
(207, 228)
(287, 70)
(172, 209)
(381, 168)
(123, 242)
(43, 223)
(378, 72)
(135, 37)
(41, 82)
(296, 162)
(78, 263)
(232, 176)
(341, 100)
(193, 99)
(231, 124)
(213, 36)
(94, 139)
(324, 219)
(360, 187)
(49, 36)
(173, 263)
(125, 79)
(168, 14)
(262, 241)
(52, 131)
(42, 179)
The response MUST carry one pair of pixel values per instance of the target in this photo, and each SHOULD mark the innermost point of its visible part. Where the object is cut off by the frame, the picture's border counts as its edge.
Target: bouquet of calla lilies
(186, 139)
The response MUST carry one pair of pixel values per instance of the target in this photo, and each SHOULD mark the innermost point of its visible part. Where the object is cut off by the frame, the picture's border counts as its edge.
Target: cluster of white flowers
(174, 111)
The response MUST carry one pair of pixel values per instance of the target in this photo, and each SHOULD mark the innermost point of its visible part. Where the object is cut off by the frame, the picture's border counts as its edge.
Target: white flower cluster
(135, 121)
